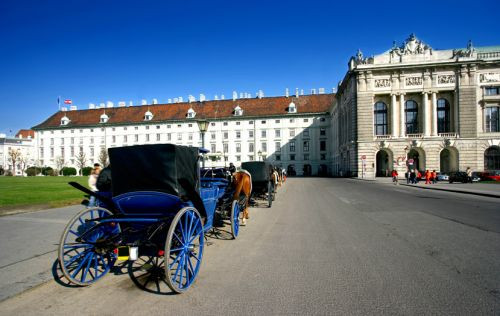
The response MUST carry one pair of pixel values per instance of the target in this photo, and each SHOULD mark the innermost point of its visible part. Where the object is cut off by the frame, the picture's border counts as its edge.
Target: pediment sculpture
(412, 46)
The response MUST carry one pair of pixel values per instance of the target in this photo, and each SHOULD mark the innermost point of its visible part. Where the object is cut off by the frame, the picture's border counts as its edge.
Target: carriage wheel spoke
(79, 267)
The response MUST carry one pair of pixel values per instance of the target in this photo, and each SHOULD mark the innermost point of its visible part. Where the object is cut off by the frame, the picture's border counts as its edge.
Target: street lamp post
(203, 126)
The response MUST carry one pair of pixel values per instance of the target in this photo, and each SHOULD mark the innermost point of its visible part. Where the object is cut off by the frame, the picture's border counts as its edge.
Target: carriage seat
(148, 203)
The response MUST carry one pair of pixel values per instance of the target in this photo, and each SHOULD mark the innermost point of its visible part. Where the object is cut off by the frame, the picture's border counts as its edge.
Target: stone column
(402, 115)
(425, 111)
(434, 114)
(394, 129)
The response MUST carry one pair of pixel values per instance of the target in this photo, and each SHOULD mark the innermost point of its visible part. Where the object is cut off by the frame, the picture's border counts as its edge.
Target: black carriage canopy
(165, 168)
(260, 170)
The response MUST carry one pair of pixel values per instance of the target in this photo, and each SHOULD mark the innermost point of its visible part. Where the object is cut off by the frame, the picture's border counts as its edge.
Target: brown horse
(242, 182)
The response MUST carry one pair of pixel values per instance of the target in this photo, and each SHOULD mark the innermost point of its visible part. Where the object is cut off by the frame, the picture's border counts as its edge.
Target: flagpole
(59, 102)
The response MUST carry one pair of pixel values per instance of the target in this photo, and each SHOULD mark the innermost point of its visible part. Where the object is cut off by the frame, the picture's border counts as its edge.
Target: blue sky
(97, 51)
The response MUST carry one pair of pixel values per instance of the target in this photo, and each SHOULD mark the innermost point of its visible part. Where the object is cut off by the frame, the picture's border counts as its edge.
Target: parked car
(441, 176)
(476, 176)
(491, 175)
(461, 176)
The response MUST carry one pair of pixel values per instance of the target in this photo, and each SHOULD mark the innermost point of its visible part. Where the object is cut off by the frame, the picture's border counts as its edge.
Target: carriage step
(127, 253)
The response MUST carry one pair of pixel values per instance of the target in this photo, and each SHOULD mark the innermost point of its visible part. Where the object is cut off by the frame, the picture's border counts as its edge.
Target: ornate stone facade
(419, 108)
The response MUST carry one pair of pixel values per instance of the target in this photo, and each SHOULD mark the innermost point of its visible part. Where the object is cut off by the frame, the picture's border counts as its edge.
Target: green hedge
(68, 171)
(33, 171)
(86, 171)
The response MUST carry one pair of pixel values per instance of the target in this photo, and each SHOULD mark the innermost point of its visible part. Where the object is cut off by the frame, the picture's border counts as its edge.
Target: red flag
(68, 101)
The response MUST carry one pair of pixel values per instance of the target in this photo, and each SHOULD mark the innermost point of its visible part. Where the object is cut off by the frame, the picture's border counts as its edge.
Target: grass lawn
(47, 191)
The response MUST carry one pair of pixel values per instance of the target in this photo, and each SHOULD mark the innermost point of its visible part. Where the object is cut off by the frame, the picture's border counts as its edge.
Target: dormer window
(65, 120)
(191, 113)
(292, 108)
(238, 111)
(104, 118)
(148, 116)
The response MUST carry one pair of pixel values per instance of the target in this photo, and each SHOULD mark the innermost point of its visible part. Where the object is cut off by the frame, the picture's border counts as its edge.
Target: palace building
(289, 131)
(419, 108)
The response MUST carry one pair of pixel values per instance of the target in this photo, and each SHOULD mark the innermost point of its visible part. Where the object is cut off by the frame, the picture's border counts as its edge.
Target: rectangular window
(278, 157)
(238, 147)
(322, 131)
(492, 91)
(190, 136)
(277, 147)
(250, 122)
(292, 157)
(72, 151)
(250, 147)
(125, 128)
(136, 138)
(91, 152)
(250, 158)
(238, 134)
(225, 147)
(157, 126)
(62, 152)
(323, 156)
(238, 158)
(263, 133)
(169, 136)
(306, 120)
(158, 137)
(292, 132)
(305, 133)
(322, 145)
(262, 122)
(237, 123)
(136, 127)
(72, 140)
(147, 127)
(225, 123)
(306, 145)
(250, 134)
(306, 156)
(147, 137)
(491, 119)
(124, 138)
(179, 136)
(263, 147)
(226, 134)
(190, 125)
(51, 152)
(213, 148)
(292, 120)
(277, 121)
(41, 142)
(51, 141)
(212, 124)
(41, 152)
(212, 136)
(113, 139)
(292, 146)
(277, 133)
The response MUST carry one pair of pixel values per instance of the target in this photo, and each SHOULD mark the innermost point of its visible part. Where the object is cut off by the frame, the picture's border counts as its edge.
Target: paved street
(327, 246)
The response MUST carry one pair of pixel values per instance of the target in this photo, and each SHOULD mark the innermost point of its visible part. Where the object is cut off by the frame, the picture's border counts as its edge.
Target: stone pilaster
(434, 131)
(402, 115)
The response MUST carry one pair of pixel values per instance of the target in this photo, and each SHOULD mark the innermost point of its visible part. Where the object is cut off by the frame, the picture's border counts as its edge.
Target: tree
(14, 156)
(60, 163)
(24, 161)
(103, 157)
(81, 160)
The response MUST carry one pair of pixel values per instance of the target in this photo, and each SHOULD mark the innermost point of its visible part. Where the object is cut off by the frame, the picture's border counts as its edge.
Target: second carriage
(263, 185)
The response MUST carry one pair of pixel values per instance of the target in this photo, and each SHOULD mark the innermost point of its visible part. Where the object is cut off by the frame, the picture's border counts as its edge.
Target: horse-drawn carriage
(263, 186)
(159, 207)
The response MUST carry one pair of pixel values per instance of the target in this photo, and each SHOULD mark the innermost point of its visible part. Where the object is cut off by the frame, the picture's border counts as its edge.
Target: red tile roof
(216, 109)
(24, 133)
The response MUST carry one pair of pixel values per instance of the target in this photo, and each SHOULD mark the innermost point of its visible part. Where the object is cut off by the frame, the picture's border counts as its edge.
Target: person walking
(434, 176)
(427, 177)
(407, 176)
(395, 176)
(469, 174)
(412, 177)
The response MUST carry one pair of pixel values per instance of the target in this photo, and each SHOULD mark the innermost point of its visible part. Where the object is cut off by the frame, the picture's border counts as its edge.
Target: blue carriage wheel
(184, 249)
(84, 254)
(235, 220)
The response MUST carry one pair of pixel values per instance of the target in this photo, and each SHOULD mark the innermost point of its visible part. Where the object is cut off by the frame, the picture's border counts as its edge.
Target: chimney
(109, 104)
(287, 92)
(296, 92)
(261, 94)
(121, 103)
(102, 105)
(242, 95)
(176, 100)
(181, 100)
(334, 90)
(222, 97)
(216, 97)
(144, 102)
(301, 91)
(130, 103)
(191, 98)
(72, 108)
(91, 106)
(313, 91)
(321, 91)
(235, 95)
(155, 101)
(169, 100)
(64, 109)
(202, 97)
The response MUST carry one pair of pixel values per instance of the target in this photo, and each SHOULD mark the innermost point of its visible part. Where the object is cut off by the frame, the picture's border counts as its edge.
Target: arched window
(380, 118)
(492, 158)
(411, 116)
(443, 116)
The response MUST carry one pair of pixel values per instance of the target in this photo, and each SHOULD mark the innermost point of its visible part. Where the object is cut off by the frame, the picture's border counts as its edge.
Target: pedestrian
(419, 176)
(469, 174)
(94, 174)
(434, 176)
(407, 176)
(427, 176)
(232, 168)
(395, 176)
(412, 177)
